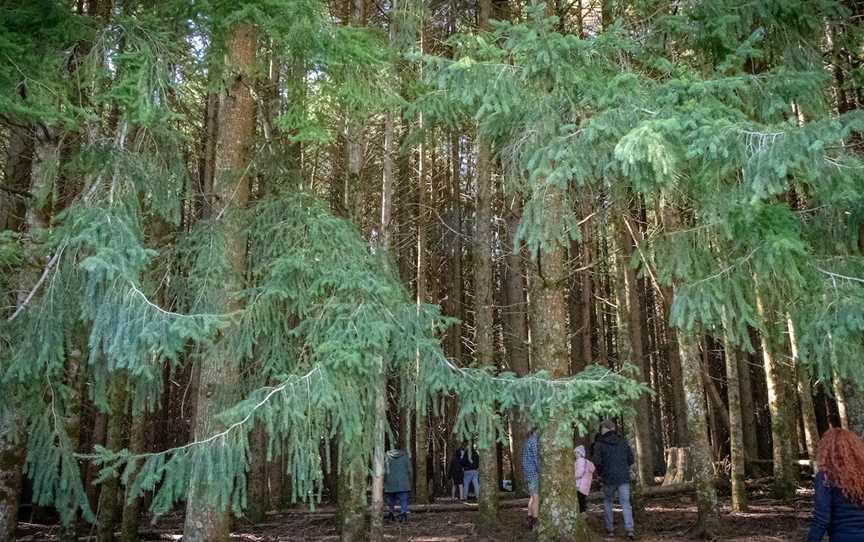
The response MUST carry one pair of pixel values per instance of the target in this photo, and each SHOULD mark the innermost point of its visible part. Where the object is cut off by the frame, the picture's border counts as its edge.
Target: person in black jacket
(613, 458)
(456, 472)
(471, 466)
(838, 502)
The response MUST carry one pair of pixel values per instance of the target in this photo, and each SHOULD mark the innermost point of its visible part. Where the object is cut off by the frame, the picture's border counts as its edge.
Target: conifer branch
(648, 264)
(839, 276)
(166, 312)
(727, 269)
(476, 375)
(234, 426)
(51, 263)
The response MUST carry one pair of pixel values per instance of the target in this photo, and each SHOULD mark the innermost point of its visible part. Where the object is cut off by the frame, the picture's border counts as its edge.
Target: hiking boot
(531, 522)
(403, 518)
(389, 517)
(631, 536)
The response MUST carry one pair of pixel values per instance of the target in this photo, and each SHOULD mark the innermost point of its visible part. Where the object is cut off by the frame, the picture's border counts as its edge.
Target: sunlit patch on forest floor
(666, 519)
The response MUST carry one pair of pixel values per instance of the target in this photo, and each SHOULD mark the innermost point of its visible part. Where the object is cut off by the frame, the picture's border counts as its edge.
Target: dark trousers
(402, 497)
(583, 501)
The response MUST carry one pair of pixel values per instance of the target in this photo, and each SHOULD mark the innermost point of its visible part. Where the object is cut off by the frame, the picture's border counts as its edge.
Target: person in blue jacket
(838, 502)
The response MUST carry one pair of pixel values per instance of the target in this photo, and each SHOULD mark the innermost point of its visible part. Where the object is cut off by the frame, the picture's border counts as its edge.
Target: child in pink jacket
(584, 474)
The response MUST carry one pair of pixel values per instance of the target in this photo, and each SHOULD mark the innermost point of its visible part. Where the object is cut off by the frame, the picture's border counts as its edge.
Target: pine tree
(205, 519)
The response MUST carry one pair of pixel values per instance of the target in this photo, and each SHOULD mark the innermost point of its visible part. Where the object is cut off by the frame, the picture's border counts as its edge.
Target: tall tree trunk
(669, 218)
(256, 477)
(218, 376)
(132, 507)
(559, 518)
(853, 401)
(696, 415)
(207, 161)
(748, 410)
(484, 338)
(515, 334)
(13, 442)
(376, 532)
(631, 347)
(700, 450)
(76, 377)
(110, 509)
(782, 405)
(587, 287)
(12, 448)
(840, 397)
(276, 480)
(424, 199)
(736, 433)
(351, 496)
(805, 394)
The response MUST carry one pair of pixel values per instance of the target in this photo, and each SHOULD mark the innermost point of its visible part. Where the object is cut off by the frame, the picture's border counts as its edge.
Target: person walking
(471, 467)
(456, 473)
(584, 473)
(838, 501)
(613, 458)
(397, 483)
(531, 472)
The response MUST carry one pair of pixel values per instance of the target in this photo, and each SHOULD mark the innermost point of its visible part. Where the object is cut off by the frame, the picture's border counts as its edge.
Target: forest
(251, 248)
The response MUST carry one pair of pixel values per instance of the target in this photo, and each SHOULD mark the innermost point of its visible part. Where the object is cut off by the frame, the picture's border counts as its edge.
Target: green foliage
(33, 62)
(733, 134)
(321, 312)
(733, 128)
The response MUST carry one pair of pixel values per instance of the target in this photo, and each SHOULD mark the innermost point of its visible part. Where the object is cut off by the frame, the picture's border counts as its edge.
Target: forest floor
(663, 519)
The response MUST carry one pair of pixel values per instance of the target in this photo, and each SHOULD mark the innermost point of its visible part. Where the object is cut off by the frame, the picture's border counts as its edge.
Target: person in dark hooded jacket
(613, 458)
(397, 482)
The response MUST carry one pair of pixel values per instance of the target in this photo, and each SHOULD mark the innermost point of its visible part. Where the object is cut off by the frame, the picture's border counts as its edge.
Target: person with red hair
(838, 503)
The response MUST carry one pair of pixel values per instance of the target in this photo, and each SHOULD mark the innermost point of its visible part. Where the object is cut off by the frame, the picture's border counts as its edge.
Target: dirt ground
(663, 519)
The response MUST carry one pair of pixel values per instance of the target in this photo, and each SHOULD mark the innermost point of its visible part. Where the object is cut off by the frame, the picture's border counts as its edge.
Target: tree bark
(218, 376)
(484, 338)
(854, 406)
(376, 531)
(351, 496)
(76, 376)
(421, 427)
(805, 393)
(631, 347)
(132, 507)
(110, 508)
(840, 397)
(515, 335)
(376, 511)
(669, 219)
(560, 518)
(587, 286)
(736, 432)
(12, 449)
(748, 410)
(700, 450)
(453, 305)
(782, 405)
(13, 210)
(256, 476)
